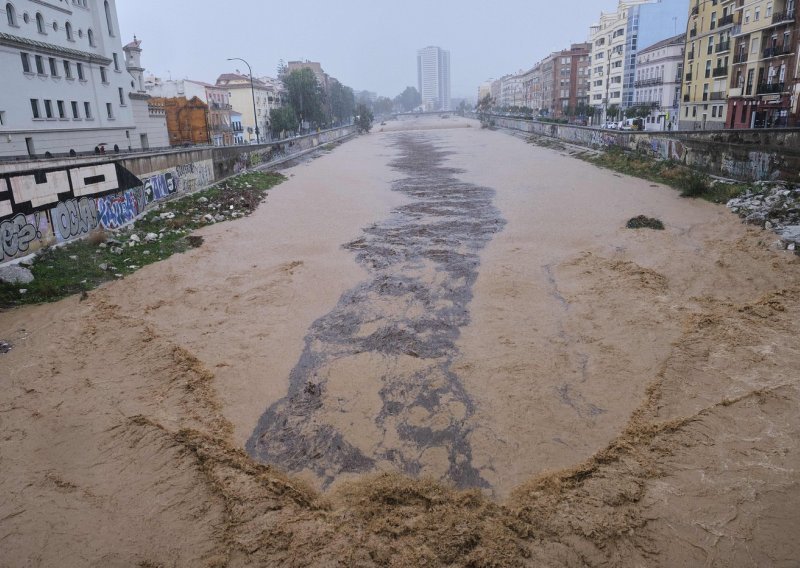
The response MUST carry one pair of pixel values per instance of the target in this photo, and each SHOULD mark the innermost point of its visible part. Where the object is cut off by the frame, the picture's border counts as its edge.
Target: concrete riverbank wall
(748, 155)
(44, 202)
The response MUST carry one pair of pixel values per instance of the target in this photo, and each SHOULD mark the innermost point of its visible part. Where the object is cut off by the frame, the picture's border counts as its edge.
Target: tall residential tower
(433, 77)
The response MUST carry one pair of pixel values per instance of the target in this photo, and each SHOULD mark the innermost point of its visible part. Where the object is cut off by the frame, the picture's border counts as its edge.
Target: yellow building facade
(707, 64)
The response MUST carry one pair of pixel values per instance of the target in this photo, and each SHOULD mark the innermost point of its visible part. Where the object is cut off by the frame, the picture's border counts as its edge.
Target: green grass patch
(85, 264)
(690, 182)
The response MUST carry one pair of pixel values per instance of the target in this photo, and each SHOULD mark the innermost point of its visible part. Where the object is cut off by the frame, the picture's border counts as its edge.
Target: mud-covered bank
(398, 330)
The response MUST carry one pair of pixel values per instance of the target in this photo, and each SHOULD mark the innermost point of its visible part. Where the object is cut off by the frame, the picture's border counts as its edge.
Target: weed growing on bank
(691, 183)
(163, 231)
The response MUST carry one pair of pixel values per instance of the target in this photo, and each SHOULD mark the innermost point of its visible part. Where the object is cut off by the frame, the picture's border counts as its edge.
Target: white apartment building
(608, 38)
(512, 91)
(65, 85)
(433, 78)
(659, 71)
(615, 41)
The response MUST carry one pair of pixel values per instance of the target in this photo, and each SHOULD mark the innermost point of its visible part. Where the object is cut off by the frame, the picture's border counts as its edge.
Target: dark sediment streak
(424, 255)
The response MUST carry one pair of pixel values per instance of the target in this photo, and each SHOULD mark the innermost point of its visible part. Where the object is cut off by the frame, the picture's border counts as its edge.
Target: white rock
(135, 238)
(23, 291)
(14, 274)
(203, 200)
(150, 237)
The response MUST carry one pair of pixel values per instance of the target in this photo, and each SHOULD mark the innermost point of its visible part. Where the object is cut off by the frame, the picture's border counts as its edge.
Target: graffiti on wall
(74, 217)
(757, 165)
(118, 209)
(20, 234)
(42, 207)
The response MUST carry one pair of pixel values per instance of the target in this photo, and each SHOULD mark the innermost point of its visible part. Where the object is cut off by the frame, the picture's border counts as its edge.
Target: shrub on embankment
(162, 231)
(690, 182)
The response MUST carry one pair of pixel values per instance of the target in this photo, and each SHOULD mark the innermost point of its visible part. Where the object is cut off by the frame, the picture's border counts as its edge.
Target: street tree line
(309, 105)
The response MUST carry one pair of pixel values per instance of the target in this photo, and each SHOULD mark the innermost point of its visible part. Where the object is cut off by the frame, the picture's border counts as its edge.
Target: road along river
(448, 306)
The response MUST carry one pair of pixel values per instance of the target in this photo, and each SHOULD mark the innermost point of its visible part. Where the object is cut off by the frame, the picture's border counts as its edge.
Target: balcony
(649, 82)
(648, 104)
(718, 96)
(780, 17)
(777, 51)
(695, 11)
(693, 33)
(686, 98)
(724, 46)
(768, 89)
(720, 72)
(690, 55)
(705, 97)
(726, 20)
(740, 58)
(689, 76)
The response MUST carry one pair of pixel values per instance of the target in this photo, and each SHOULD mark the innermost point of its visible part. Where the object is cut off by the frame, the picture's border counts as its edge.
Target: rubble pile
(774, 206)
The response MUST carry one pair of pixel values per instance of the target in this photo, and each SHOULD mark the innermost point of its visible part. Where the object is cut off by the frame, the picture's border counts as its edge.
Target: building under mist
(433, 77)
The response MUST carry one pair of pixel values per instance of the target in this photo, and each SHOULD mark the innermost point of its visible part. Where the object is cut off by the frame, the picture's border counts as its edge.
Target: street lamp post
(252, 92)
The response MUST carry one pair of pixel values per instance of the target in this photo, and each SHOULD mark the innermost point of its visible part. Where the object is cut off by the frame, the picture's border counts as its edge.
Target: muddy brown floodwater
(435, 345)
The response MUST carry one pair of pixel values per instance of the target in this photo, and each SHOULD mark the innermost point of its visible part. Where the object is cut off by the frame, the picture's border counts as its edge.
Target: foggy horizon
(364, 48)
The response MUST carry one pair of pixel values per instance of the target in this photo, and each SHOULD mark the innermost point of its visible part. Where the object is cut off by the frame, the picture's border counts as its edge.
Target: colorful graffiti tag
(42, 207)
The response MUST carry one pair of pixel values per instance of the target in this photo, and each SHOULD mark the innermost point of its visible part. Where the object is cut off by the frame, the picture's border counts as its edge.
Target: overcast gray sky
(366, 44)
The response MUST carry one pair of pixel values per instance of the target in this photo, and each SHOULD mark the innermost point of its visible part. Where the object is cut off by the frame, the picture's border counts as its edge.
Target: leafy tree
(462, 108)
(383, 105)
(484, 108)
(364, 118)
(409, 99)
(612, 112)
(283, 119)
(342, 102)
(306, 96)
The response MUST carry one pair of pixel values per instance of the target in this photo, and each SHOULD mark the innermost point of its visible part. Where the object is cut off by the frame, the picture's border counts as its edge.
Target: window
(103, 75)
(53, 67)
(757, 14)
(108, 19)
(80, 71)
(11, 14)
(39, 64)
(116, 62)
(62, 111)
(68, 28)
(48, 108)
(75, 112)
(121, 96)
(87, 110)
(67, 69)
(40, 23)
(26, 62)
(109, 110)
(90, 35)
(35, 108)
